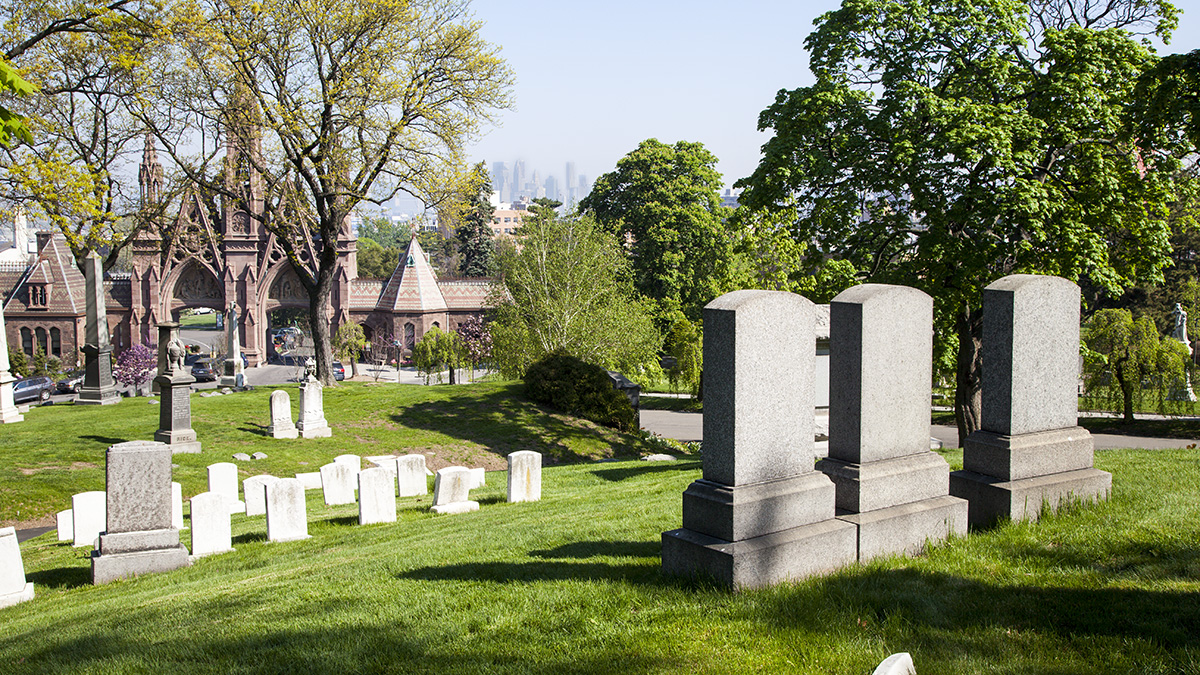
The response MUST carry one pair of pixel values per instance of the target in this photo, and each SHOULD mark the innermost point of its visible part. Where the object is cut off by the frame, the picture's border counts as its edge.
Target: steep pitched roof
(54, 265)
(413, 287)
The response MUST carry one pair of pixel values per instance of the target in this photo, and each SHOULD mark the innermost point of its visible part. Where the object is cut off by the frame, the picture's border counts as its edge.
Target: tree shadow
(534, 571)
(257, 429)
(623, 473)
(343, 521)
(107, 440)
(598, 549)
(60, 577)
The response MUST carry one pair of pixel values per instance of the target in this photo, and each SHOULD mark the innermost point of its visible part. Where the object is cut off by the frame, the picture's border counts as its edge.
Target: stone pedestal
(139, 538)
(312, 422)
(231, 368)
(1030, 454)
(13, 587)
(8, 409)
(98, 386)
(175, 413)
(889, 485)
(760, 514)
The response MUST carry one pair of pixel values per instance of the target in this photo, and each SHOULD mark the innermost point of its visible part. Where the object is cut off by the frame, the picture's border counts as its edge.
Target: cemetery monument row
(175, 387)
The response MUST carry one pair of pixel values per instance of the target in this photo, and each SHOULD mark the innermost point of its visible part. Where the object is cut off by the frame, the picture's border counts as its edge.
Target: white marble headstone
(478, 478)
(376, 496)
(352, 461)
(13, 587)
(177, 506)
(89, 516)
(452, 491)
(311, 480)
(337, 482)
(253, 488)
(223, 479)
(524, 476)
(410, 476)
(287, 512)
(64, 520)
(281, 416)
(211, 529)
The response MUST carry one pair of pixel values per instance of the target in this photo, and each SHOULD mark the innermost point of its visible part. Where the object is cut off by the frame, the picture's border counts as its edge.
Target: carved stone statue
(310, 370)
(175, 355)
(1180, 330)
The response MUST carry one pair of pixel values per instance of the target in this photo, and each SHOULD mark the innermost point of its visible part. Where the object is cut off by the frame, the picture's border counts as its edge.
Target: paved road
(684, 426)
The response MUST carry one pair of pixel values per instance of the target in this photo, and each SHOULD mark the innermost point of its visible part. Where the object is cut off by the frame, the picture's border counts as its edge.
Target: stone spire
(150, 174)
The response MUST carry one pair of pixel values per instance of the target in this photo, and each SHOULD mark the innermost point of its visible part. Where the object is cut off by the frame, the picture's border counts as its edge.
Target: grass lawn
(199, 320)
(1164, 428)
(571, 584)
(59, 450)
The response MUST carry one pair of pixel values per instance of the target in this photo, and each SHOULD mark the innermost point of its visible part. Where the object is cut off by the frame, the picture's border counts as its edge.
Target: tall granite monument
(175, 387)
(231, 373)
(98, 386)
(8, 409)
(1030, 450)
(139, 537)
(889, 485)
(761, 514)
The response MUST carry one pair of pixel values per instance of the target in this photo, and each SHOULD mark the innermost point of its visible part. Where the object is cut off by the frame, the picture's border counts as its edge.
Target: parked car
(36, 388)
(339, 371)
(191, 359)
(204, 370)
(71, 384)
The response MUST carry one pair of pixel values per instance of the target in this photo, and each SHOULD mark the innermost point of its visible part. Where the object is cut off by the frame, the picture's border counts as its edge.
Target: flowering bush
(134, 365)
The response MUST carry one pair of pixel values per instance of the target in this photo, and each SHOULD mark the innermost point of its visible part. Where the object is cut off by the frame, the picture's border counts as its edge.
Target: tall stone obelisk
(98, 386)
(8, 409)
(231, 373)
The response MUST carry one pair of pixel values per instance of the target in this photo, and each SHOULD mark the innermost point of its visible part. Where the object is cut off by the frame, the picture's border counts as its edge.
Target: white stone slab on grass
(376, 496)
(352, 461)
(13, 587)
(287, 511)
(211, 529)
(338, 482)
(311, 480)
(452, 491)
(478, 478)
(177, 506)
(524, 476)
(896, 664)
(254, 490)
(66, 529)
(89, 517)
(223, 479)
(410, 476)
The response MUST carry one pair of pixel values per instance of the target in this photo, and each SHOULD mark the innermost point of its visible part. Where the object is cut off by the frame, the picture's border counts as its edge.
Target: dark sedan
(204, 370)
(37, 388)
(71, 384)
(339, 371)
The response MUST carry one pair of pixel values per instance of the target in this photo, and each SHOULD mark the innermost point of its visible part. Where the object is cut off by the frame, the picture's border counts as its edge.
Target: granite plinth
(98, 387)
(761, 561)
(994, 499)
(907, 528)
(889, 482)
(734, 513)
(130, 542)
(175, 413)
(1028, 455)
(114, 566)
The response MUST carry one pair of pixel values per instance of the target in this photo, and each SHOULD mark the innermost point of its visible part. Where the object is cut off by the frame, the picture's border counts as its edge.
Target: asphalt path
(686, 426)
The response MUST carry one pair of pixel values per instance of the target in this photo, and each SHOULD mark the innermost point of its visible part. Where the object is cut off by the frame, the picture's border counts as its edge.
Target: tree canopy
(947, 143)
(664, 201)
(476, 249)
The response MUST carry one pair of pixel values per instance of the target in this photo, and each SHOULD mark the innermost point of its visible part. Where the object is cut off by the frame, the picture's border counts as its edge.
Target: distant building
(506, 221)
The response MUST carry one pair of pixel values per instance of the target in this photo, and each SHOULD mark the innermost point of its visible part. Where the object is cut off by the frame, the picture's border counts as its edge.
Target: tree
(476, 249)
(665, 202)
(82, 57)
(12, 125)
(330, 104)
(1166, 106)
(385, 232)
(437, 349)
(376, 262)
(685, 343)
(134, 366)
(348, 344)
(948, 143)
(567, 288)
(1125, 361)
(18, 363)
(476, 341)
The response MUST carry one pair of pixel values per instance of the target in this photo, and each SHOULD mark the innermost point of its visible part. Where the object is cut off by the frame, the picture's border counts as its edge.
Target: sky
(596, 78)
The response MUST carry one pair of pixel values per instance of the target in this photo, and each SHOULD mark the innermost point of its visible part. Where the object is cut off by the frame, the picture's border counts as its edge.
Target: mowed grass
(59, 449)
(571, 584)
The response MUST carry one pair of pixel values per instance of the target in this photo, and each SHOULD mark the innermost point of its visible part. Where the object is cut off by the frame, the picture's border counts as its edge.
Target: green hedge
(568, 384)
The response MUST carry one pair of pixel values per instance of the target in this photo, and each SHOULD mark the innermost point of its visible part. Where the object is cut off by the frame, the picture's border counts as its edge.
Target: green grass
(571, 584)
(59, 450)
(1165, 428)
(668, 403)
(199, 320)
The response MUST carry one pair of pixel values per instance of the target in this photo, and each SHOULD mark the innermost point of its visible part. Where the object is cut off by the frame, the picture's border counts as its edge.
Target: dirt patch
(27, 471)
(44, 521)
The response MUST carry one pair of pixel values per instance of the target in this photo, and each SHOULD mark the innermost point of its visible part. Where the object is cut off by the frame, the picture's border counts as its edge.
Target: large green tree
(476, 245)
(567, 288)
(333, 103)
(664, 201)
(947, 143)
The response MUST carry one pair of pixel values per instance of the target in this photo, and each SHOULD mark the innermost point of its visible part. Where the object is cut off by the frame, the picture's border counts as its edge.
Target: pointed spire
(150, 174)
(413, 285)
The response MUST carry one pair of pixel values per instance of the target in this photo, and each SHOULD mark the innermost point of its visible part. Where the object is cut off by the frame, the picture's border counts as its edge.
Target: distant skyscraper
(501, 181)
(552, 188)
(518, 179)
(569, 197)
(584, 186)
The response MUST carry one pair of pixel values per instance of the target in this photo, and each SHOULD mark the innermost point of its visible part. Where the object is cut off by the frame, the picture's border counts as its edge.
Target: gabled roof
(54, 265)
(413, 287)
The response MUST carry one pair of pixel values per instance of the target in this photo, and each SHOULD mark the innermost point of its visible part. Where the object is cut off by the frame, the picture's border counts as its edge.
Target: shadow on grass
(598, 549)
(645, 573)
(249, 537)
(107, 440)
(61, 577)
(343, 521)
(623, 473)
(1177, 428)
(257, 429)
(502, 422)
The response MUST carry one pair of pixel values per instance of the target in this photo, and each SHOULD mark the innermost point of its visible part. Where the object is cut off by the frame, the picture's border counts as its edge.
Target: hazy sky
(595, 79)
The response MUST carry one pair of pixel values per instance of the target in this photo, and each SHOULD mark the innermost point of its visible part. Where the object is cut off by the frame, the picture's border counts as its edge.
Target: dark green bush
(568, 384)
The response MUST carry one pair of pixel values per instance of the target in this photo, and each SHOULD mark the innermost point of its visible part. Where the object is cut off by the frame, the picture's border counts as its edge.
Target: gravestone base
(181, 442)
(734, 513)
(97, 396)
(282, 432)
(129, 554)
(98, 387)
(22, 595)
(10, 415)
(792, 554)
(884, 483)
(994, 499)
(1027, 455)
(175, 414)
(456, 507)
(906, 529)
(315, 432)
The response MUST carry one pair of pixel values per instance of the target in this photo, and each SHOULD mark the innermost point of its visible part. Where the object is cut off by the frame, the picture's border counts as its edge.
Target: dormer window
(38, 296)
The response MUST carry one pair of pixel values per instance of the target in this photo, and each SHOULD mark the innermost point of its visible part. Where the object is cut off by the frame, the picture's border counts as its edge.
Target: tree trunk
(968, 401)
(1126, 394)
(318, 322)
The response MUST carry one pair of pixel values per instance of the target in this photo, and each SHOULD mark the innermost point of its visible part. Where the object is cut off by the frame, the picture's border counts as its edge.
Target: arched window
(41, 340)
(410, 335)
(55, 342)
(437, 325)
(27, 341)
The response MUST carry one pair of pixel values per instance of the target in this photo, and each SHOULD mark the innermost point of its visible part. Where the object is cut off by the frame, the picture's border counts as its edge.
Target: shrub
(573, 386)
